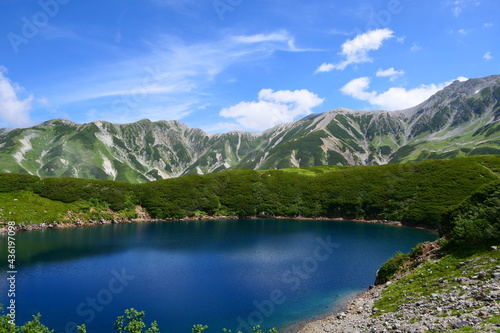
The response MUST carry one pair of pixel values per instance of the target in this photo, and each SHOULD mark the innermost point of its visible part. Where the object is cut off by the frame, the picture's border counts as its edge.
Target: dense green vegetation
(461, 197)
(131, 322)
(476, 221)
(29, 199)
(472, 226)
(418, 193)
(469, 251)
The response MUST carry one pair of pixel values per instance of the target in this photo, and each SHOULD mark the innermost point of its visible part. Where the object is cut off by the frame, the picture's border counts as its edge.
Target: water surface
(232, 274)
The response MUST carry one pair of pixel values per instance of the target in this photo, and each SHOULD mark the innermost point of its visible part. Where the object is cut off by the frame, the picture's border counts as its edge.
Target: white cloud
(488, 25)
(340, 32)
(487, 56)
(357, 88)
(463, 32)
(415, 47)
(14, 111)
(325, 67)
(458, 6)
(391, 73)
(395, 98)
(272, 108)
(204, 106)
(356, 50)
(282, 36)
(169, 74)
(401, 39)
(279, 36)
(223, 127)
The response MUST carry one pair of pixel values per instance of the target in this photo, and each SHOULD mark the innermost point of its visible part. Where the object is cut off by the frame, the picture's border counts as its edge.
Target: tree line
(420, 193)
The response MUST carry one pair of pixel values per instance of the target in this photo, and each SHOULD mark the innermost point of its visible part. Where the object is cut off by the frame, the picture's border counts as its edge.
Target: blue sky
(223, 65)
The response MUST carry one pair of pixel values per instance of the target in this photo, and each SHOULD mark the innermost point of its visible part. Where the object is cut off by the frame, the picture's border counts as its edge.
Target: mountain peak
(462, 119)
(59, 121)
(471, 86)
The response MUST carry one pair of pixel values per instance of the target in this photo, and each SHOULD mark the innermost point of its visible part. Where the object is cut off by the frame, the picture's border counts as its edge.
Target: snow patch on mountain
(107, 166)
(25, 147)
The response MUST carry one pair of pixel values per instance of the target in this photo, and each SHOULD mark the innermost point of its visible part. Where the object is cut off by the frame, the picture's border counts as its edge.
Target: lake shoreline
(354, 308)
(147, 219)
(448, 308)
(341, 306)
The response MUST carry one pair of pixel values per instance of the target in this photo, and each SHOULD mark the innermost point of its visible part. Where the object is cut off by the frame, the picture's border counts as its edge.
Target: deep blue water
(231, 274)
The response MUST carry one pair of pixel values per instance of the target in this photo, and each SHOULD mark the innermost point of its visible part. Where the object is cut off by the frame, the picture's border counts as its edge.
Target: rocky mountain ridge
(460, 120)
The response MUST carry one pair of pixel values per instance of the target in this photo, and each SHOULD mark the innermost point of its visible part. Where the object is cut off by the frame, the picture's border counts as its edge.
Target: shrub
(391, 267)
(476, 221)
(10, 182)
(131, 322)
(417, 251)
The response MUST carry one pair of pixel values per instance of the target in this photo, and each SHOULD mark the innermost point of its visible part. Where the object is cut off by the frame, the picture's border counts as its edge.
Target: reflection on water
(220, 273)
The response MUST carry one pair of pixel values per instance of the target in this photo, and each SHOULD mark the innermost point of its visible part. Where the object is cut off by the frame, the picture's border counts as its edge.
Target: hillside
(441, 292)
(461, 120)
(451, 285)
(446, 286)
(414, 193)
(449, 289)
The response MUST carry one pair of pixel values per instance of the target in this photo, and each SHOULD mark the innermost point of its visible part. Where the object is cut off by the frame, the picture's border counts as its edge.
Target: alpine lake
(231, 274)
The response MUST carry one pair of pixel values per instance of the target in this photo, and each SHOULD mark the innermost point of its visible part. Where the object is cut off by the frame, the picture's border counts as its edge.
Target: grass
(25, 207)
(314, 171)
(465, 140)
(424, 280)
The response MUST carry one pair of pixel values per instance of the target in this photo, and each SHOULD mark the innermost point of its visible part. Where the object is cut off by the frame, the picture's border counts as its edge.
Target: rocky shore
(76, 224)
(144, 217)
(466, 303)
(470, 301)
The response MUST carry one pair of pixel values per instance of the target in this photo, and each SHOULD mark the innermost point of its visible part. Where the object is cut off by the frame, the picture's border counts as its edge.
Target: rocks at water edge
(474, 302)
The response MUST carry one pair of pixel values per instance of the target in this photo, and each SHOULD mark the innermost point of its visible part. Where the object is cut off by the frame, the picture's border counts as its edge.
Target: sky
(223, 65)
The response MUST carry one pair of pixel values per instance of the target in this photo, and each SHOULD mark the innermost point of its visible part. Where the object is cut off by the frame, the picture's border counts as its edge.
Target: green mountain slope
(417, 193)
(461, 120)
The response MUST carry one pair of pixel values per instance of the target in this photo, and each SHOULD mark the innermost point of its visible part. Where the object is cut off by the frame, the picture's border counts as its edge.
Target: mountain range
(460, 120)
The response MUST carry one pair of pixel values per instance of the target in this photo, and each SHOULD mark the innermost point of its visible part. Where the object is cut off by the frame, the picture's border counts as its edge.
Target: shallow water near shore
(228, 273)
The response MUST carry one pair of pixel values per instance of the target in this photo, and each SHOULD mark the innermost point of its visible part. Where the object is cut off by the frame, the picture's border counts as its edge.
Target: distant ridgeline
(461, 120)
(416, 192)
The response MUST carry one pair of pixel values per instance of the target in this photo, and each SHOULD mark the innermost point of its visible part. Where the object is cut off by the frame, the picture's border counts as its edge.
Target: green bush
(391, 267)
(5, 324)
(417, 193)
(11, 182)
(476, 221)
(131, 322)
(417, 251)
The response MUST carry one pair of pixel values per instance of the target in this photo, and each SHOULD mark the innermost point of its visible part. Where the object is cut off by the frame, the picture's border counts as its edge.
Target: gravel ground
(473, 303)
